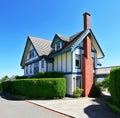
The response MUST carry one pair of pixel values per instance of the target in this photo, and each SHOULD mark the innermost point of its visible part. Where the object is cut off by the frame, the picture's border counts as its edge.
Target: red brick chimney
(87, 61)
(86, 17)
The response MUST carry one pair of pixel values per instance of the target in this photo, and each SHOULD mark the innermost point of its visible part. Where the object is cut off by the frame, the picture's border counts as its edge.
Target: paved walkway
(79, 108)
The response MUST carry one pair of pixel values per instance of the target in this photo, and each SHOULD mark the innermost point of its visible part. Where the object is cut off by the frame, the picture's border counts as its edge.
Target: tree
(4, 78)
(106, 82)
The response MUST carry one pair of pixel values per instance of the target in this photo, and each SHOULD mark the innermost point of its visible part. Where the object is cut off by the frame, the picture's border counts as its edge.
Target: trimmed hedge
(115, 86)
(44, 75)
(96, 91)
(49, 75)
(37, 88)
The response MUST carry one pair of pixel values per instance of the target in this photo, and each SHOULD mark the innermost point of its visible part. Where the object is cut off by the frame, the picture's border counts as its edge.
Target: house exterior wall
(50, 67)
(71, 78)
(71, 82)
(62, 63)
(33, 58)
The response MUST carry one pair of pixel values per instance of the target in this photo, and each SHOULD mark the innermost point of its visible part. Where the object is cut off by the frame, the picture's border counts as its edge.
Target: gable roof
(63, 37)
(41, 46)
(77, 39)
(60, 37)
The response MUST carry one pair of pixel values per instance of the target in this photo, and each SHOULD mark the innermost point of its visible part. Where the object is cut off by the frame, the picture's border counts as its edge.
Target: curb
(51, 109)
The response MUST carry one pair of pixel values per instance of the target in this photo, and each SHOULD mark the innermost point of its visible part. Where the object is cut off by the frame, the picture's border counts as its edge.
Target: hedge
(115, 86)
(49, 75)
(44, 75)
(37, 88)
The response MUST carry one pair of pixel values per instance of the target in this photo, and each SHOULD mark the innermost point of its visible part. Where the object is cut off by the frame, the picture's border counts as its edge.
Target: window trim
(78, 67)
(42, 63)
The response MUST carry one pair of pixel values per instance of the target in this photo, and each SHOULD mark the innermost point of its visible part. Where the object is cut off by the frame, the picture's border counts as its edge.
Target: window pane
(77, 61)
(36, 67)
(42, 64)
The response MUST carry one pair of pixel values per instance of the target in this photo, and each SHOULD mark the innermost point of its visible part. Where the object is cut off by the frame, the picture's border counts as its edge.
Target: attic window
(31, 54)
(58, 45)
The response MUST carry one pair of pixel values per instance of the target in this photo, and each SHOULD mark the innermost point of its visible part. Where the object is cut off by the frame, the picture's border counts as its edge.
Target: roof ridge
(65, 37)
(39, 38)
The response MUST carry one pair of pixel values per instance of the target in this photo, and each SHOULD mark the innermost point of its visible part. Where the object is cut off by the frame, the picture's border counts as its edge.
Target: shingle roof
(63, 37)
(42, 46)
(71, 42)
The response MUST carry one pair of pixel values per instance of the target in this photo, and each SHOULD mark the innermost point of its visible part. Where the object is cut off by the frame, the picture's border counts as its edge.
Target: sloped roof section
(77, 39)
(42, 46)
(63, 37)
(73, 40)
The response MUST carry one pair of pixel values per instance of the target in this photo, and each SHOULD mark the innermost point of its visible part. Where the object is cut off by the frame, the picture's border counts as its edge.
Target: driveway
(13, 108)
(80, 107)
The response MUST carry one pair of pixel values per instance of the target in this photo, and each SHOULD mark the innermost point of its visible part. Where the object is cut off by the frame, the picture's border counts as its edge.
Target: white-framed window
(30, 68)
(31, 54)
(58, 45)
(36, 67)
(26, 70)
(42, 63)
(77, 61)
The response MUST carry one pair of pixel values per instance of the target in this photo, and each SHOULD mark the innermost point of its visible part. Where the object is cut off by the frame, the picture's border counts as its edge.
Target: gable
(59, 42)
(31, 53)
(41, 47)
(94, 42)
(26, 55)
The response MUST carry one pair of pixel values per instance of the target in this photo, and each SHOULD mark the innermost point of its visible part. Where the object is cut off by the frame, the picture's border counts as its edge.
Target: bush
(106, 82)
(115, 86)
(37, 88)
(21, 77)
(78, 92)
(49, 75)
(96, 91)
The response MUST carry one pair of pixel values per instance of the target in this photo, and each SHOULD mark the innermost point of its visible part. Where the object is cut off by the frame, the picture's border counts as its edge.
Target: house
(77, 56)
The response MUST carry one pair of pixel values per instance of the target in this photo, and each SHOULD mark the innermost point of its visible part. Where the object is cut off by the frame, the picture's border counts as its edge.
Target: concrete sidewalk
(79, 107)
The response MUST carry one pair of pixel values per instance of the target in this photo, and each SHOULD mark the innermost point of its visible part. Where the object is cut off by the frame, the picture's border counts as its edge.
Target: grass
(114, 107)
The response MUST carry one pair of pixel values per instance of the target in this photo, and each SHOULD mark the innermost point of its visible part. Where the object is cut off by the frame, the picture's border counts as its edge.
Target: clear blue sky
(44, 18)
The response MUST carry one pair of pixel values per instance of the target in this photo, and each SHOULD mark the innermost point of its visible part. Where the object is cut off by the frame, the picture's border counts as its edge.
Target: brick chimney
(87, 61)
(86, 17)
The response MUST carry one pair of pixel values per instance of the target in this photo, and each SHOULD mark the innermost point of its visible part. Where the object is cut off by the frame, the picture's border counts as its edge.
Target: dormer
(59, 42)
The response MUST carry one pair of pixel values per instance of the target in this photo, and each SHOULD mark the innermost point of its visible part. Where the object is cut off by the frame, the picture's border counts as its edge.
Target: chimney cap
(86, 13)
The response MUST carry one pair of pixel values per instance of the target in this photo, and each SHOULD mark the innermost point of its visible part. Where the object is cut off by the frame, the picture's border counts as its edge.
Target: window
(31, 54)
(78, 82)
(93, 62)
(26, 69)
(36, 68)
(42, 63)
(77, 61)
(30, 68)
(58, 45)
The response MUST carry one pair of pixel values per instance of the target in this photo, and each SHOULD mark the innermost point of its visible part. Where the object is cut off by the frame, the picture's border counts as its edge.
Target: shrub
(96, 91)
(21, 77)
(115, 86)
(37, 88)
(106, 82)
(78, 92)
(49, 75)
